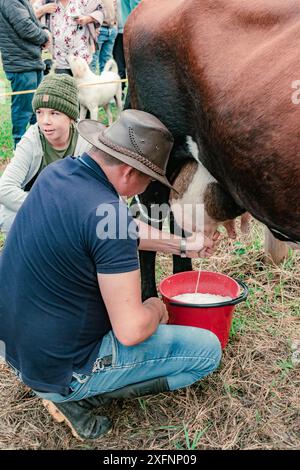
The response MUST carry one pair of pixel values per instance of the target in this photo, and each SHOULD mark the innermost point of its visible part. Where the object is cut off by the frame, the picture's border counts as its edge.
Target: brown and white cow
(222, 76)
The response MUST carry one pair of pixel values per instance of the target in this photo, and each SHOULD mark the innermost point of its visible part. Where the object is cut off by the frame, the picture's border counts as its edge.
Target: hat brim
(90, 130)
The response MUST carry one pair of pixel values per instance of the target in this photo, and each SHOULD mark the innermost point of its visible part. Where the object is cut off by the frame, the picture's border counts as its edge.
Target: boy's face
(53, 124)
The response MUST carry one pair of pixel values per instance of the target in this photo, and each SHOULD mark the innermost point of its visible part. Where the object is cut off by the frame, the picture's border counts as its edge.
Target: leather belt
(109, 25)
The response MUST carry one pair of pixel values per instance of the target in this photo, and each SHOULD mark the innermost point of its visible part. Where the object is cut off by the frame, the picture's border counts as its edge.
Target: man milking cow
(53, 259)
(72, 320)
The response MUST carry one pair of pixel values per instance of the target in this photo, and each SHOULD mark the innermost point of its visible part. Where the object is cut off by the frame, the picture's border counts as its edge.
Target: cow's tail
(111, 66)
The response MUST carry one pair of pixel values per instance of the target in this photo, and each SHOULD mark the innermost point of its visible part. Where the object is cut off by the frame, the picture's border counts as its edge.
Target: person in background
(73, 25)
(43, 14)
(54, 136)
(106, 39)
(22, 38)
(126, 8)
(118, 50)
(75, 328)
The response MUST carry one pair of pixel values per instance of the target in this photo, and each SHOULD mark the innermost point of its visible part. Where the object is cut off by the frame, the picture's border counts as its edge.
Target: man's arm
(19, 18)
(132, 321)
(197, 245)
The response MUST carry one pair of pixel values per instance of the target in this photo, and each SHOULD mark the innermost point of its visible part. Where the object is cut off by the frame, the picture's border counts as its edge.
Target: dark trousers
(67, 71)
(118, 55)
(48, 64)
(21, 105)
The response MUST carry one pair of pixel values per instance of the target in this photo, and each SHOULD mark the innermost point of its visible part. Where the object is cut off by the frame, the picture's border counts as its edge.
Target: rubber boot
(79, 417)
(148, 387)
(78, 414)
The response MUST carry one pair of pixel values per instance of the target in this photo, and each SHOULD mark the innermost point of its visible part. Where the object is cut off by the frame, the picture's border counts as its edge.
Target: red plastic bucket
(215, 317)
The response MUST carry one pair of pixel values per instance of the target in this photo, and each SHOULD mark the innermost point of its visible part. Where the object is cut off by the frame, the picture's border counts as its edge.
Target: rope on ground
(81, 85)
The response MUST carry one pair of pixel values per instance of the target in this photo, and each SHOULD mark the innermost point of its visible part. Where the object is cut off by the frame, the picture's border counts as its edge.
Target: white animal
(93, 96)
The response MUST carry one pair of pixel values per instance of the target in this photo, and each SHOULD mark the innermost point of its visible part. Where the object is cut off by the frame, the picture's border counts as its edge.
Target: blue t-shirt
(71, 226)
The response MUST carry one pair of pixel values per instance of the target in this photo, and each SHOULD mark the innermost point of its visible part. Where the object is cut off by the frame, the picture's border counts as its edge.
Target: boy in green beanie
(54, 136)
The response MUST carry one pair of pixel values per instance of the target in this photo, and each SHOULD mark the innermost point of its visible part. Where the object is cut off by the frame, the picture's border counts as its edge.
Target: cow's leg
(148, 211)
(275, 250)
(147, 265)
(179, 264)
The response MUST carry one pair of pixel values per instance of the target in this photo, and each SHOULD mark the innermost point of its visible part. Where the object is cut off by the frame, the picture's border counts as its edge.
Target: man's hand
(84, 20)
(159, 306)
(48, 44)
(200, 246)
(49, 8)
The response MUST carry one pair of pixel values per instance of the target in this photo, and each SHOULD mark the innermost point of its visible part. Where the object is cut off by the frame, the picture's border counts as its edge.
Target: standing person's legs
(118, 55)
(39, 78)
(93, 64)
(107, 47)
(21, 105)
(100, 42)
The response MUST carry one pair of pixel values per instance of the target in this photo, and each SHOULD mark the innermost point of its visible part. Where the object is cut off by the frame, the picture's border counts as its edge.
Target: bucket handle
(243, 296)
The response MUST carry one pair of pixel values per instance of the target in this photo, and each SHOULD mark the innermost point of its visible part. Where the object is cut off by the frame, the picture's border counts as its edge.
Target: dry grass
(251, 402)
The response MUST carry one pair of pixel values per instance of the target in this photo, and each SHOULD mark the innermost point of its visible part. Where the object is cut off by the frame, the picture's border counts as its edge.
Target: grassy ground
(6, 143)
(251, 402)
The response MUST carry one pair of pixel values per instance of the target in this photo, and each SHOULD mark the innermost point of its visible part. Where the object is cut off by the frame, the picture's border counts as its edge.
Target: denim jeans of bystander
(106, 40)
(21, 107)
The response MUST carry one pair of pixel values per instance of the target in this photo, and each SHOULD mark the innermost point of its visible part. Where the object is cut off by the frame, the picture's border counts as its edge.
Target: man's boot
(148, 387)
(86, 425)
(79, 417)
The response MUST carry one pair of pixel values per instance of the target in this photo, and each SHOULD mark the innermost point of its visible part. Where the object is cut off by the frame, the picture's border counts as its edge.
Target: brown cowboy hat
(137, 138)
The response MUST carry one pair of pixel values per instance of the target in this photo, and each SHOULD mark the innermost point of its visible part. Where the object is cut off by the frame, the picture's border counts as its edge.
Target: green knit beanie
(58, 92)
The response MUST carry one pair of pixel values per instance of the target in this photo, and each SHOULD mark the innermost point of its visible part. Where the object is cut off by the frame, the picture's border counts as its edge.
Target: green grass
(285, 365)
(191, 442)
(102, 115)
(2, 238)
(6, 142)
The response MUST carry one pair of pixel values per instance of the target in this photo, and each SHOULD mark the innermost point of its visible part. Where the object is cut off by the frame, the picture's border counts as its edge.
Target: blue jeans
(21, 105)
(106, 40)
(181, 354)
